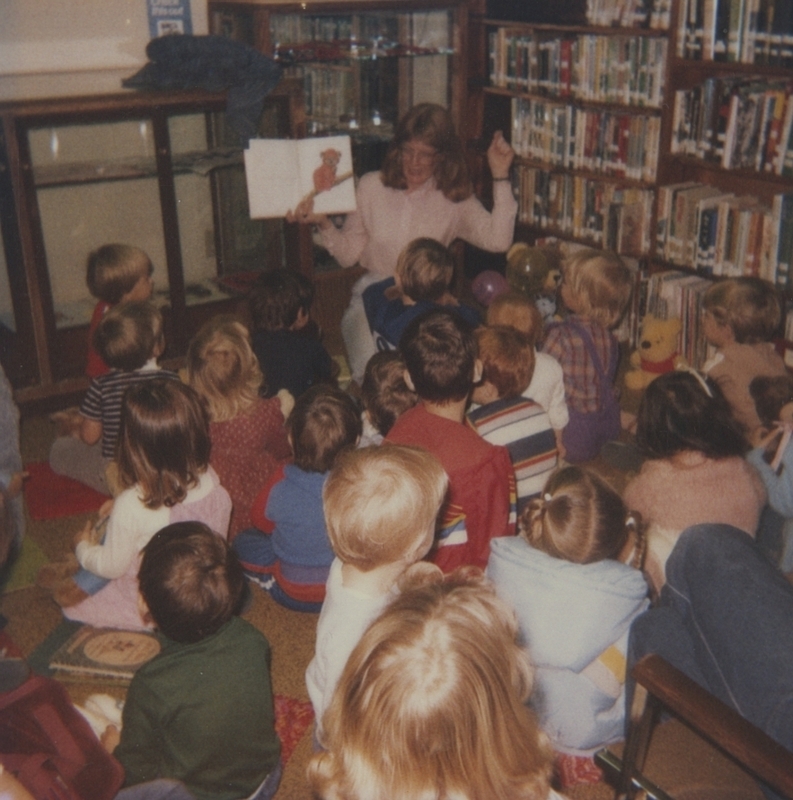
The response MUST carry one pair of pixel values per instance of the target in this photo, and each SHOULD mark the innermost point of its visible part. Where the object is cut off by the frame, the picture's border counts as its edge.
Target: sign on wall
(169, 16)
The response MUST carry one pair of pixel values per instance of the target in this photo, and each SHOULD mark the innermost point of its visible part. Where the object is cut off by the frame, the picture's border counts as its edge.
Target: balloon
(527, 270)
(488, 285)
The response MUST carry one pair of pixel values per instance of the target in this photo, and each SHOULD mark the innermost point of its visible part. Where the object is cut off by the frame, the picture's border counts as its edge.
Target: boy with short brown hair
(201, 711)
(440, 353)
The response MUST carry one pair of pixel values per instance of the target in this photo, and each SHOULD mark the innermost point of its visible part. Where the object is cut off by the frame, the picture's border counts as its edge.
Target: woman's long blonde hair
(431, 703)
(433, 125)
(223, 369)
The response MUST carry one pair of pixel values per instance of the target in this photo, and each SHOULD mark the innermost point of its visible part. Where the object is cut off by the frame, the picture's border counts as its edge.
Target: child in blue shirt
(288, 553)
(421, 282)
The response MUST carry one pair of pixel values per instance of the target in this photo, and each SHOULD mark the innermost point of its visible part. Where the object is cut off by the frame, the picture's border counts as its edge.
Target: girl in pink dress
(247, 431)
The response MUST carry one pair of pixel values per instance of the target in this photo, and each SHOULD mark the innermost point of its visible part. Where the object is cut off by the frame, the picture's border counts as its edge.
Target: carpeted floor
(32, 616)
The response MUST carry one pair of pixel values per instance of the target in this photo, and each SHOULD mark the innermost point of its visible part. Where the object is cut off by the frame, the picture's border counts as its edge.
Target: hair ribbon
(700, 379)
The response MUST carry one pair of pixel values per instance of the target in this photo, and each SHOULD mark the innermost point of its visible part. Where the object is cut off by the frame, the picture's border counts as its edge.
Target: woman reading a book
(423, 189)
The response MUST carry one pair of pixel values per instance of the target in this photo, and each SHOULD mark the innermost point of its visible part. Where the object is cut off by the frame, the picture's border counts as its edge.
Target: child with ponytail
(573, 577)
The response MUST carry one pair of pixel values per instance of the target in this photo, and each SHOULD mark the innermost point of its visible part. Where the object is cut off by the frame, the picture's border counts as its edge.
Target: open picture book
(282, 172)
(104, 653)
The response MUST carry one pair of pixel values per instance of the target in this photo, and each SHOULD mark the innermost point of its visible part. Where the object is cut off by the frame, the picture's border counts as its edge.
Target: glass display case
(362, 65)
(160, 170)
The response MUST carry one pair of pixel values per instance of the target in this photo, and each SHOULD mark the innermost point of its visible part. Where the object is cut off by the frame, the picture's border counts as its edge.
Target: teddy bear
(536, 271)
(656, 353)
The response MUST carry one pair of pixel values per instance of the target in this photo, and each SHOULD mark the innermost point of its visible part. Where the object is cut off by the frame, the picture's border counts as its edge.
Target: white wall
(65, 35)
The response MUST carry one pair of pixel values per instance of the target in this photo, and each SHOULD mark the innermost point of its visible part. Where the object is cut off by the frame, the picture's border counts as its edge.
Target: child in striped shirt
(504, 416)
(130, 340)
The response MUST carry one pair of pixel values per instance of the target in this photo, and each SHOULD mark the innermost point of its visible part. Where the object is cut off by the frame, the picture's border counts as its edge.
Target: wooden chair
(660, 686)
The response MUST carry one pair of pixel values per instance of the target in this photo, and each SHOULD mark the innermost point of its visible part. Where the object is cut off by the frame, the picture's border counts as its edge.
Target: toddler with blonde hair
(442, 666)
(596, 287)
(381, 504)
(421, 282)
(247, 431)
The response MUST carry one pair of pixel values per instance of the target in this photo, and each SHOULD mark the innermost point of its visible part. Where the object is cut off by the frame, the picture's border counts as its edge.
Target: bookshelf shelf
(584, 105)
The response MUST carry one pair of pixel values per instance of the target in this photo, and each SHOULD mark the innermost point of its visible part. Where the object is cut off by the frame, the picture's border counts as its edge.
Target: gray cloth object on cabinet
(214, 63)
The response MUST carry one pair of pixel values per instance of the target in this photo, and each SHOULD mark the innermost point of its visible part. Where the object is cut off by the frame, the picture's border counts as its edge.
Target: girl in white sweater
(163, 459)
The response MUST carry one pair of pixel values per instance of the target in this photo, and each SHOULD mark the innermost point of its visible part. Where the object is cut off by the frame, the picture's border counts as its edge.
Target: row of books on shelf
(615, 143)
(677, 294)
(741, 31)
(605, 69)
(602, 213)
(737, 122)
(629, 13)
(717, 233)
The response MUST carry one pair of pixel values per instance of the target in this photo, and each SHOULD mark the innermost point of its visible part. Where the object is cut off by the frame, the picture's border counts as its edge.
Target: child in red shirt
(440, 353)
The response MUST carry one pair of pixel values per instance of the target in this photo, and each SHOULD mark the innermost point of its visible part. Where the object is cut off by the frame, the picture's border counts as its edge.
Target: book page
(326, 174)
(271, 170)
(282, 172)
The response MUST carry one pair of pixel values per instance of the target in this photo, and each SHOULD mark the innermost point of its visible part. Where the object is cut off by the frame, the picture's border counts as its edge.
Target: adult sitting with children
(422, 190)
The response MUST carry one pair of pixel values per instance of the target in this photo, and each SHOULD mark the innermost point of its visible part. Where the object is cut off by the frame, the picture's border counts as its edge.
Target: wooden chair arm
(755, 750)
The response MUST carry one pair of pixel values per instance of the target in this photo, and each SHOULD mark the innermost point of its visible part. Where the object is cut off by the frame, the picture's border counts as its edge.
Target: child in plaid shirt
(596, 288)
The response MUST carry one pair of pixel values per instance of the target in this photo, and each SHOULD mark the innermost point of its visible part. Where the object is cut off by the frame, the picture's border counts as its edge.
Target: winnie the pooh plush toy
(656, 353)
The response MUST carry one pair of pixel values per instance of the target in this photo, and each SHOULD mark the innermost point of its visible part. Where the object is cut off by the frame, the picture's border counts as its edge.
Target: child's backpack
(50, 748)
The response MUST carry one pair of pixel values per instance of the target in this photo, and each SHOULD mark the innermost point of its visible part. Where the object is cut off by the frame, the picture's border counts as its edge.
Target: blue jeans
(725, 618)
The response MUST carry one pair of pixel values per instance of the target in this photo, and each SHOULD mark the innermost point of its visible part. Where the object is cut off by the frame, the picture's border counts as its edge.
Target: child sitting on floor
(164, 467)
(515, 310)
(380, 505)
(288, 552)
(596, 287)
(431, 704)
(384, 395)
(439, 350)
(504, 416)
(201, 711)
(289, 358)
(130, 339)
(573, 577)
(247, 431)
(115, 273)
(695, 471)
(740, 316)
(421, 282)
